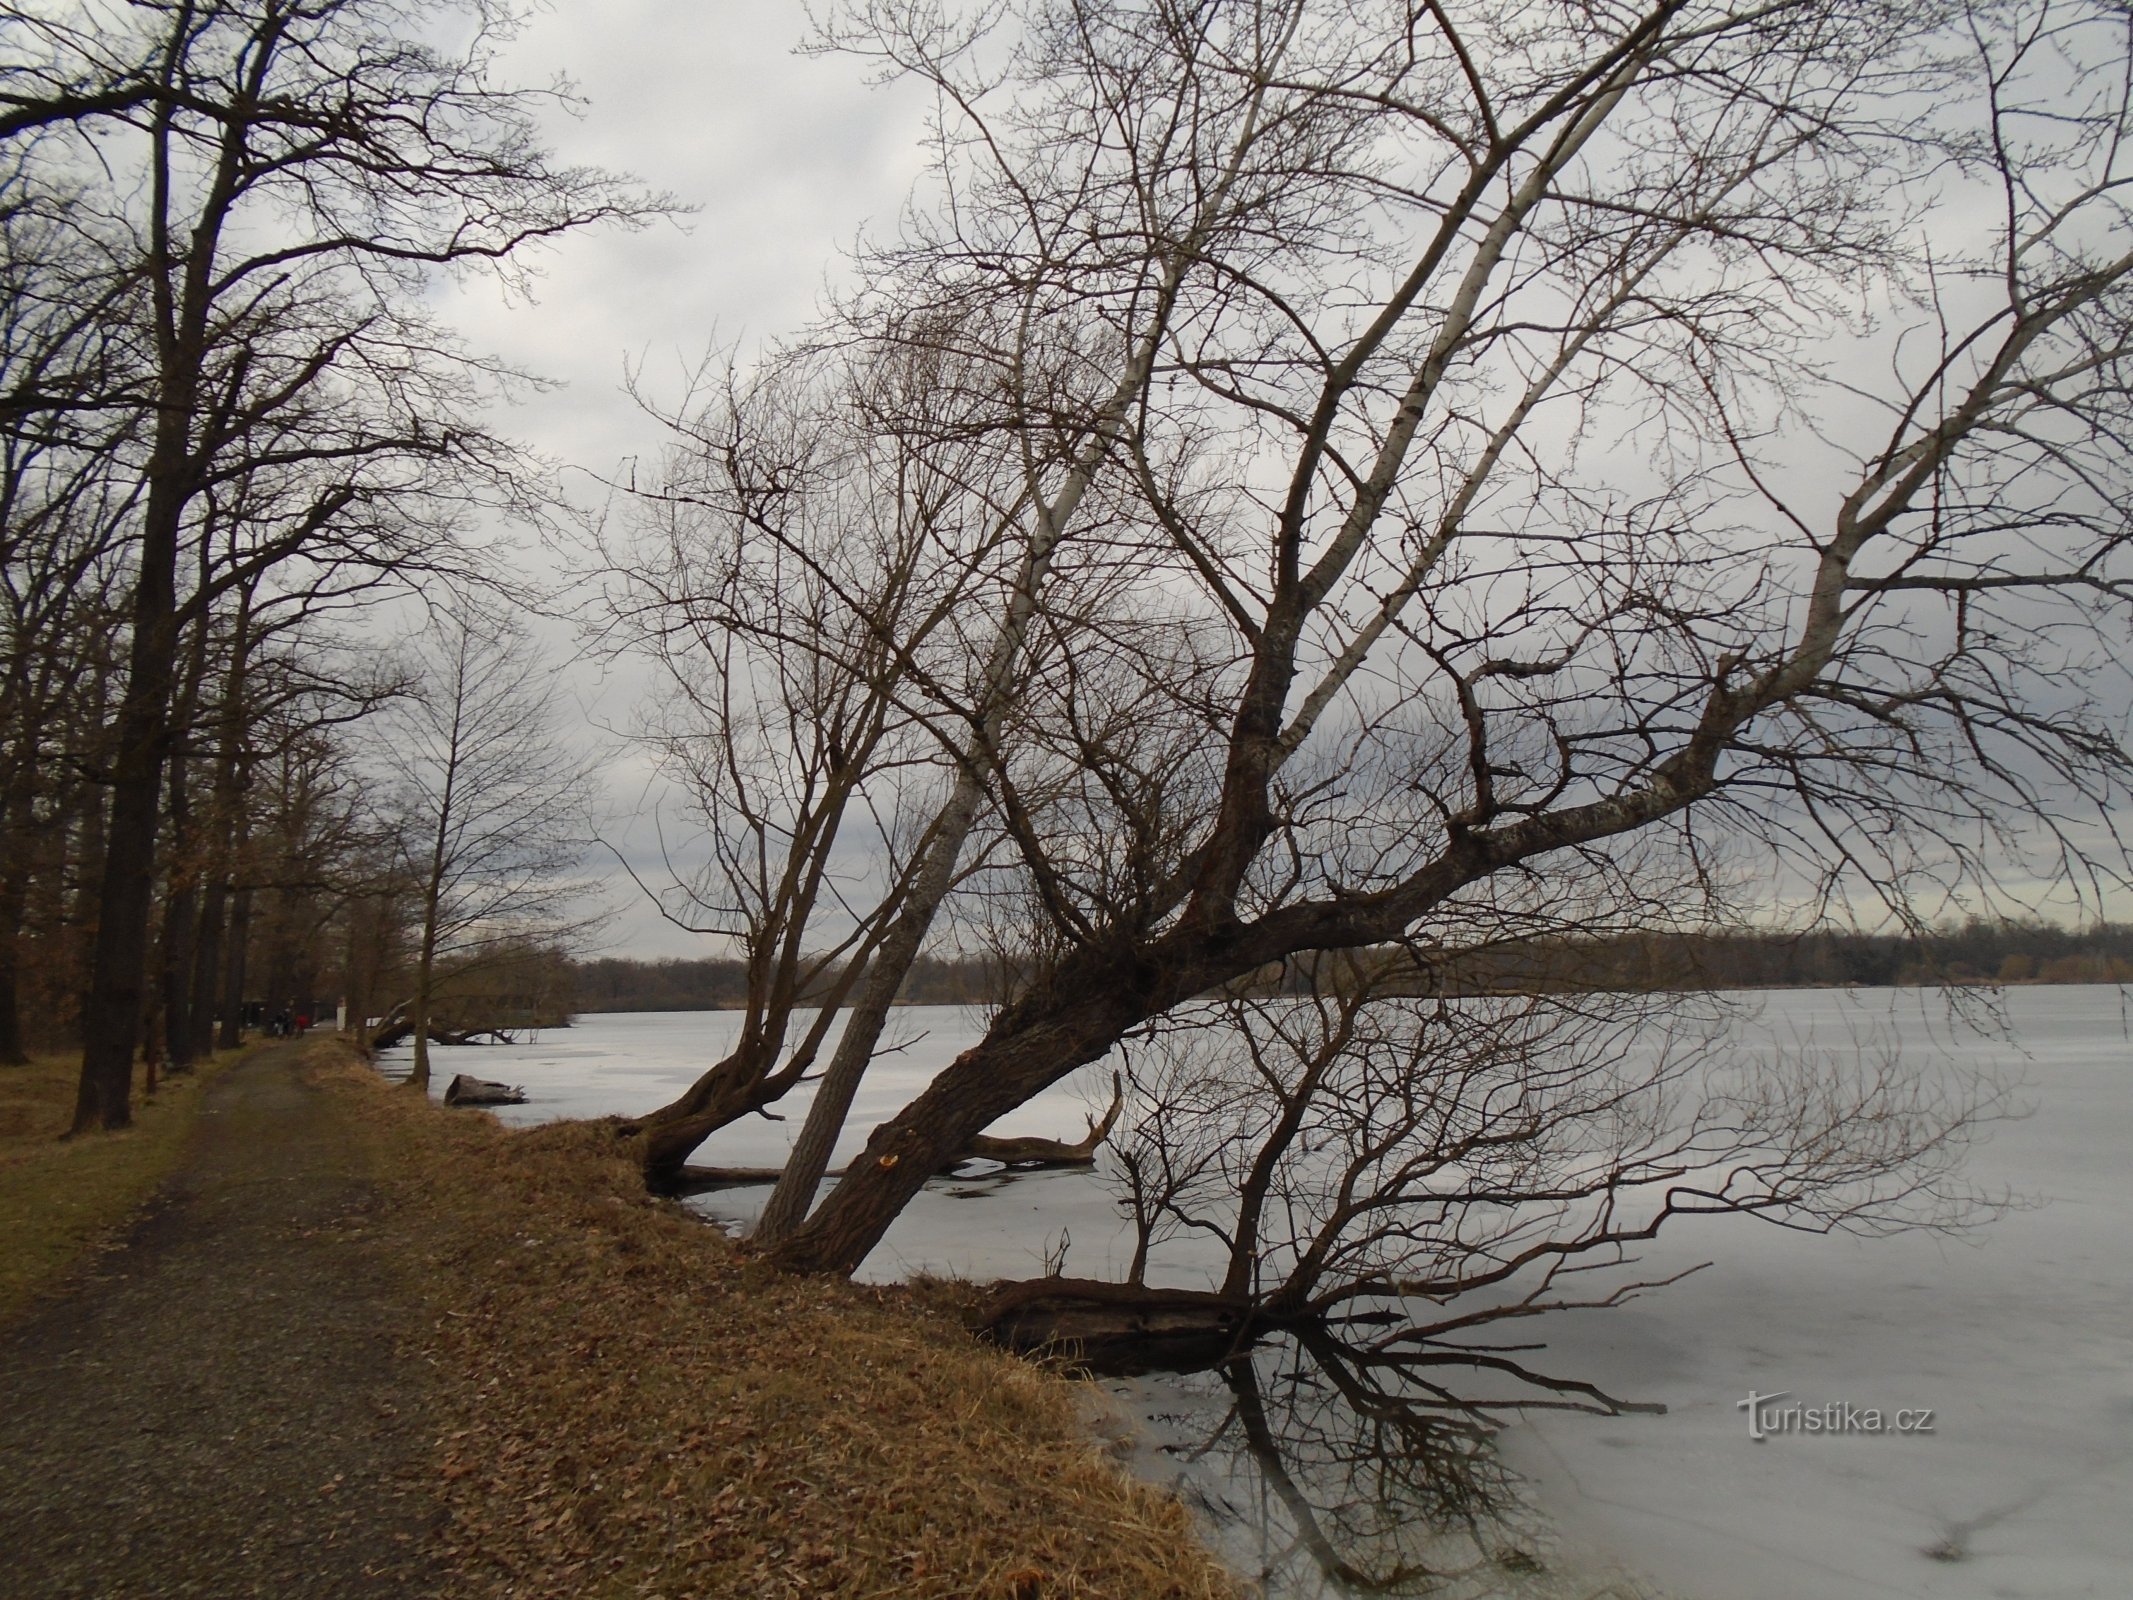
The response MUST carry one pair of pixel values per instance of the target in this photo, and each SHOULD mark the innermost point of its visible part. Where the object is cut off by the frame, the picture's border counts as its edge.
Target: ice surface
(2019, 1337)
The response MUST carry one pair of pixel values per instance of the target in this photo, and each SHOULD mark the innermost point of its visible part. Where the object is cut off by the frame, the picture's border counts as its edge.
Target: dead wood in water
(466, 1091)
(1033, 1152)
(1117, 1327)
(399, 1031)
(682, 1180)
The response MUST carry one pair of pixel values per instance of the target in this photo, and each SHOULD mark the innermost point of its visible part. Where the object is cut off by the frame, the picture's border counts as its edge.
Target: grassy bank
(634, 1409)
(61, 1198)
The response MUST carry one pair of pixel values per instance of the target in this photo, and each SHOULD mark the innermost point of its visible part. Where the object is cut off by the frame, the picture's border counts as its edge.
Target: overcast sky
(787, 157)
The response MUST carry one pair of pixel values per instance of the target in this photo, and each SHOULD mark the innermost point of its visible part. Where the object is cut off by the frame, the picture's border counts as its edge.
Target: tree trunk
(238, 938)
(12, 1053)
(795, 1193)
(206, 970)
(82, 904)
(1032, 1045)
(727, 1093)
(419, 1019)
(1117, 1328)
(224, 813)
(14, 902)
(111, 1018)
(180, 920)
(111, 1022)
(1078, 1015)
(152, 1042)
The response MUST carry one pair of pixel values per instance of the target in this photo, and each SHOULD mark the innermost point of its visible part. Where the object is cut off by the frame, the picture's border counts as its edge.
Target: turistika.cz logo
(1768, 1416)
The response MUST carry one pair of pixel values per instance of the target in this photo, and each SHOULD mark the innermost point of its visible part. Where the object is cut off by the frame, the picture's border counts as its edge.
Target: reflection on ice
(1330, 1468)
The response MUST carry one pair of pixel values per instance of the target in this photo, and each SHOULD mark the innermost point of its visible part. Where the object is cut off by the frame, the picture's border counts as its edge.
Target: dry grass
(61, 1198)
(635, 1409)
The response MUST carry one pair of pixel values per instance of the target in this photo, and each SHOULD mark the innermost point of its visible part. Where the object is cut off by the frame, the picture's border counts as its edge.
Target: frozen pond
(2018, 1338)
(629, 1063)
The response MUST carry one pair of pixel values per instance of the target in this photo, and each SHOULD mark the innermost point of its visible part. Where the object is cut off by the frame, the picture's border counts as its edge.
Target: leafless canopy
(1492, 455)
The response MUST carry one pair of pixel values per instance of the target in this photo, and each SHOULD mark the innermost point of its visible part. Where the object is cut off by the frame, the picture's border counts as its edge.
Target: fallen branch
(399, 1032)
(1013, 1152)
(1034, 1152)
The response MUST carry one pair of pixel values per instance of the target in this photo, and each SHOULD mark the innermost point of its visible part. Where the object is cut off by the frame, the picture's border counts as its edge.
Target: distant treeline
(1974, 952)
(620, 983)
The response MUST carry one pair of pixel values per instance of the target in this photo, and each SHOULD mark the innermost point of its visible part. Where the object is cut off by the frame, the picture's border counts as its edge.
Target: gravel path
(220, 1412)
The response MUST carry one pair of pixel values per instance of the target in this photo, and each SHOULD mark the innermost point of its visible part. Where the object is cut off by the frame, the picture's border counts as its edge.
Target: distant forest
(621, 983)
(1976, 952)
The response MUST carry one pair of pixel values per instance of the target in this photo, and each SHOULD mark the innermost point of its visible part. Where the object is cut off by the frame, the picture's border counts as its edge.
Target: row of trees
(233, 426)
(1315, 479)
(1976, 951)
(715, 983)
(1342, 484)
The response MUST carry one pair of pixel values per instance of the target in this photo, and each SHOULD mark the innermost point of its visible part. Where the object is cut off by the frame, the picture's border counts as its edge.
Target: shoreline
(634, 1406)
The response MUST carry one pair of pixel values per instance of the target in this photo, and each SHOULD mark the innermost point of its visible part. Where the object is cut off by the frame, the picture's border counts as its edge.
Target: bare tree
(283, 677)
(285, 179)
(494, 806)
(1536, 445)
(1460, 1159)
(313, 852)
(53, 73)
(800, 576)
(67, 493)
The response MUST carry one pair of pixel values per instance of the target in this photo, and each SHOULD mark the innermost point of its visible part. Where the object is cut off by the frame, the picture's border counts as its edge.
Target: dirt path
(219, 1412)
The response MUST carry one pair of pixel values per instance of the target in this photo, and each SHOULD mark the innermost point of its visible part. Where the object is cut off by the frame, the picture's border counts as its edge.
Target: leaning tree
(1484, 459)
(797, 576)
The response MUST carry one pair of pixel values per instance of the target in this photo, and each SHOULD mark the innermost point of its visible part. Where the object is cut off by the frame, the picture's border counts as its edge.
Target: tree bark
(1032, 1045)
(111, 1019)
(233, 968)
(225, 801)
(12, 1053)
(724, 1095)
(795, 1192)
(181, 295)
(181, 920)
(14, 902)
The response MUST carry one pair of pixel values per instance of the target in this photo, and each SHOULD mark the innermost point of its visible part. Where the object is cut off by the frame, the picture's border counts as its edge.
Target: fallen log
(400, 1032)
(466, 1091)
(1033, 1152)
(474, 1036)
(1116, 1328)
